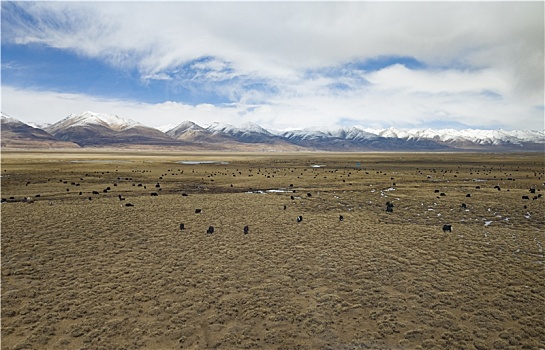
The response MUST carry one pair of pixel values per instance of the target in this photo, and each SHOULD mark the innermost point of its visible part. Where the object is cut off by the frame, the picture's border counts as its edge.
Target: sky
(282, 65)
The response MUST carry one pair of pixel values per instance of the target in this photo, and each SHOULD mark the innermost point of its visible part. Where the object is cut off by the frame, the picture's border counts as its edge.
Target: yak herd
(389, 206)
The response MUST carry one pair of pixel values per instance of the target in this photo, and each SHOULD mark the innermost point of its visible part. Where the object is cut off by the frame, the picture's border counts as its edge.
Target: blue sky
(279, 64)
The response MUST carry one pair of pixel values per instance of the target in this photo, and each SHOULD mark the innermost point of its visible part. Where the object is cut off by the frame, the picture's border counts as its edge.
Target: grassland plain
(81, 270)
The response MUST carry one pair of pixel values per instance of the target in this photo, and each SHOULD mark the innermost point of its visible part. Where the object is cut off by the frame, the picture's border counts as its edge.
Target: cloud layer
(286, 65)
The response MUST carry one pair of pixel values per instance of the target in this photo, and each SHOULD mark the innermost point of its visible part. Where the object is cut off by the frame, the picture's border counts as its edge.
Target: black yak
(447, 228)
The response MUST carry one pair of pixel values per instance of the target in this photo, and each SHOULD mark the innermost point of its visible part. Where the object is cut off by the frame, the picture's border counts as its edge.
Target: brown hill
(16, 134)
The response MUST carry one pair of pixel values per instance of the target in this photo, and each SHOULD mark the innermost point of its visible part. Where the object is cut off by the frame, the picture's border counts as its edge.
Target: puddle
(99, 161)
(194, 162)
(281, 190)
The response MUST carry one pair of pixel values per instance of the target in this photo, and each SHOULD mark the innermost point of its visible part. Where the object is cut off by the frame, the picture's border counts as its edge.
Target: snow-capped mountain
(165, 128)
(245, 128)
(95, 129)
(183, 128)
(42, 126)
(17, 134)
(247, 132)
(224, 135)
(466, 136)
(324, 133)
(6, 119)
(353, 139)
(112, 122)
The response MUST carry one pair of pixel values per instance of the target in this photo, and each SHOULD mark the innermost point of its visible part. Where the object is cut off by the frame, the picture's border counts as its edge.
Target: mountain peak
(183, 127)
(110, 121)
(7, 119)
(247, 127)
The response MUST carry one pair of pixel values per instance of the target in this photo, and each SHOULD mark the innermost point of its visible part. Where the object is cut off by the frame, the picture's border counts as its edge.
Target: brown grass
(94, 274)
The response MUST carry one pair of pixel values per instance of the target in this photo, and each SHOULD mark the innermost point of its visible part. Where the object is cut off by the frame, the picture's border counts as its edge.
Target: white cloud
(283, 35)
(15, 102)
(483, 60)
(372, 108)
(439, 81)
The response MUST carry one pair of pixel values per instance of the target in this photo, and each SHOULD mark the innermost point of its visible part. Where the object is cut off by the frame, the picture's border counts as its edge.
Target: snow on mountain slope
(481, 137)
(6, 119)
(323, 133)
(17, 134)
(185, 127)
(309, 133)
(166, 128)
(90, 118)
(353, 133)
(246, 128)
(246, 133)
(106, 127)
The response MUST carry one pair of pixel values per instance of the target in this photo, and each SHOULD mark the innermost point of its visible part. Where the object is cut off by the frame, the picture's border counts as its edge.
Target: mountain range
(90, 129)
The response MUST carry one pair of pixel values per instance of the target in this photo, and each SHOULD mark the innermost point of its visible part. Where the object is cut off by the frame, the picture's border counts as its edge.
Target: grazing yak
(299, 218)
(389, 207)
(246, 229)
(447, 228)
(210, 230)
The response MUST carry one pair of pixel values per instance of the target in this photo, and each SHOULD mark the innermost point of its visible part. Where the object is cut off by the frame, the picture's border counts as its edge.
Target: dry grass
(94, 274)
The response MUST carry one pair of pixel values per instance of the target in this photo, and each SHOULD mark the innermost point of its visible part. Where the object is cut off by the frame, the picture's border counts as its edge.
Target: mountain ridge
(89, 129)
(98, 129)
(16, 134)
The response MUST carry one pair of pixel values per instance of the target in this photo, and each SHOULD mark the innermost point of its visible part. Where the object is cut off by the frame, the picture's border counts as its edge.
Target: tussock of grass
(94, 273)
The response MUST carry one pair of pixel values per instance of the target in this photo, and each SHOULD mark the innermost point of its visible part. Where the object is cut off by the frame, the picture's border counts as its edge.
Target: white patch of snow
(165, 128)
(10, 120)
(90, 118)
(483, 137)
